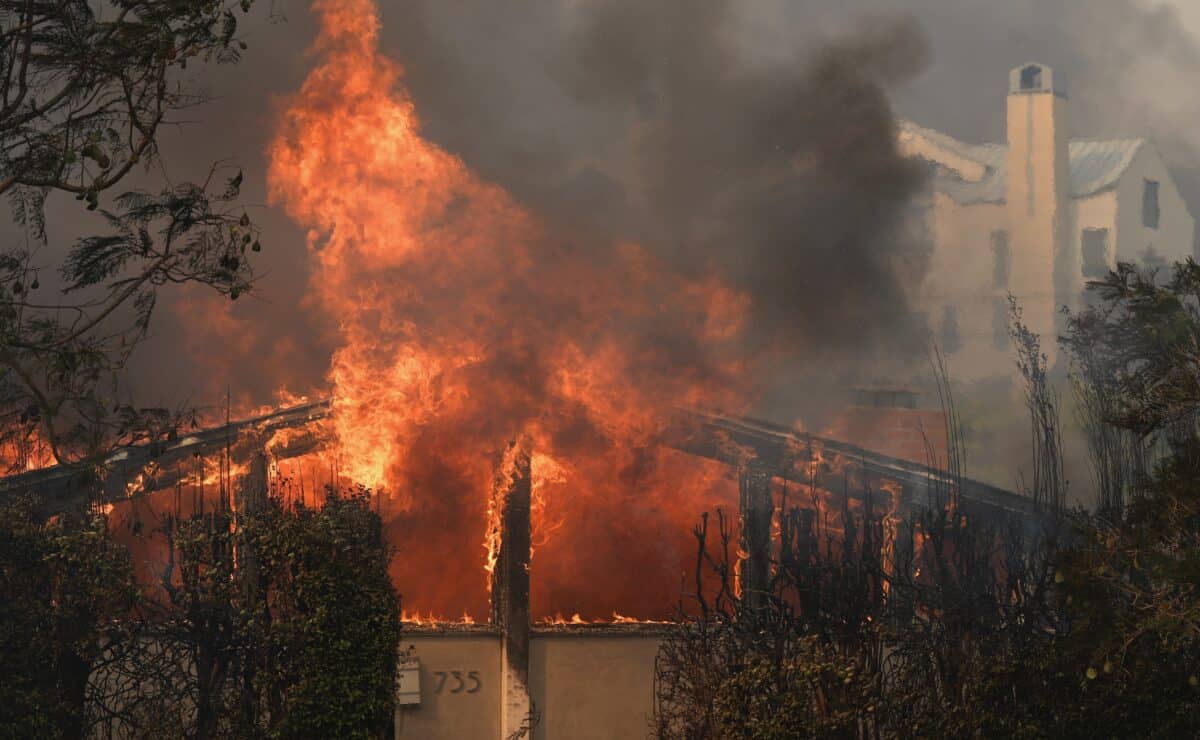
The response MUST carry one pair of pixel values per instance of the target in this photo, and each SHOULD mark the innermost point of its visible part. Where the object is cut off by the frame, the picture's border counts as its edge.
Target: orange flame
(24, 448)
(466, 321)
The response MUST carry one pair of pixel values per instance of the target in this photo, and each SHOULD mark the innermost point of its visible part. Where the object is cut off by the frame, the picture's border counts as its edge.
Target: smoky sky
(647, 122)
(750, 138)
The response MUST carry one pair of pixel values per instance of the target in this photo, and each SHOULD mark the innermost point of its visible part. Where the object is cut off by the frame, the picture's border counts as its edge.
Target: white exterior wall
(1044, 223)
(1173, 239)
(1097, 211)
(960, 270)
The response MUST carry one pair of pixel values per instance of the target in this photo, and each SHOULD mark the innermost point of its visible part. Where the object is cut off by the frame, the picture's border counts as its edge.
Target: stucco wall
(1038, 206)
(449, 711)
(1097, 211)
(1173, 239)
(960, 270)
(586, 684)
(592, 688)
(960, 275)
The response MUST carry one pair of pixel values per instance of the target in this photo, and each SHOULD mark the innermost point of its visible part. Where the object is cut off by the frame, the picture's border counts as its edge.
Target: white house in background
(1036, 217)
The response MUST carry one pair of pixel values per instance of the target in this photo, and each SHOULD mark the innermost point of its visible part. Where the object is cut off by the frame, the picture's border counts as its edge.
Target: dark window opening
(1031, 78)
(1095, 253)
(1001, 259)
(1150, 211)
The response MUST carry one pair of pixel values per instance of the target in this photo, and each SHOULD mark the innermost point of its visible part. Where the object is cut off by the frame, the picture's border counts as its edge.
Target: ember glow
(467, 322)
(22, 449)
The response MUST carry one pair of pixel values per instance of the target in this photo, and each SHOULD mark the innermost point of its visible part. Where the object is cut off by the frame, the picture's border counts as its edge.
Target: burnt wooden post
(757, 508)
(250, 498)
(510, 587)
(252, 493)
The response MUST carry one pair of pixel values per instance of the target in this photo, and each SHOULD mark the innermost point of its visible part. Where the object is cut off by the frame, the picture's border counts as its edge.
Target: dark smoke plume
(785, 178)
(656, 120)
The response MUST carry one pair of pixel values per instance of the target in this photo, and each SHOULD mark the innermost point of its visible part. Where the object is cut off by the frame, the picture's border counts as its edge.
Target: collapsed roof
(739, 442)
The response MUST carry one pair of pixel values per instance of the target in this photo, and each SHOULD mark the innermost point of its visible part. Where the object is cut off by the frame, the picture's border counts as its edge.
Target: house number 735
(458, 684)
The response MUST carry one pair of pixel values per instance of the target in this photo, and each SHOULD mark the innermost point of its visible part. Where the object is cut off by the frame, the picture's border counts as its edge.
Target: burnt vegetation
(872, 625)
(1081, 624)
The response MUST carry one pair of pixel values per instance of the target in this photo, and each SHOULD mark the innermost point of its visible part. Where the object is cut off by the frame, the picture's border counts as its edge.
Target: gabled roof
(1096, 165)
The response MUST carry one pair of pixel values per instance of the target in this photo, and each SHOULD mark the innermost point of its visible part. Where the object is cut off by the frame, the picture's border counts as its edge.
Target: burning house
(485, 678)
(536, 577)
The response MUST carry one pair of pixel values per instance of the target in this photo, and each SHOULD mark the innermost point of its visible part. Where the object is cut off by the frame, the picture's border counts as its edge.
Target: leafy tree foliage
(66, 591)
(281, 623)
(85, 88)
(1132, 580)
(328, 622)
(1144, 332)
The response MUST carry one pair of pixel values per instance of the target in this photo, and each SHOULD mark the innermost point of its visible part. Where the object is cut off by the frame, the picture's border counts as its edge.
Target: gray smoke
(647, 121)
(749, 137)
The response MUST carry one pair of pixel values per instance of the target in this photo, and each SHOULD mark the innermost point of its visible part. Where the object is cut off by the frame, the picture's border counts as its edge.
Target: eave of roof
(1096, 165)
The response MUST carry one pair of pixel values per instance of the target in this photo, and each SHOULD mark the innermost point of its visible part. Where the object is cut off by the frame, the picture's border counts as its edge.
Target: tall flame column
(510, 587)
